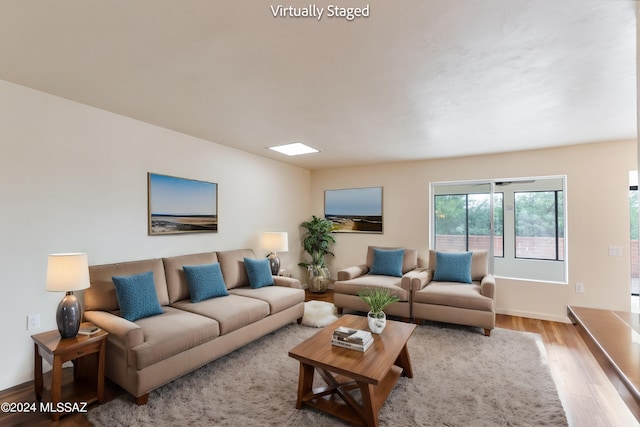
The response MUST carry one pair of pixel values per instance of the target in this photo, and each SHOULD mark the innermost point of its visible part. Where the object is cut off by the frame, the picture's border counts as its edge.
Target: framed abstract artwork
(179, 205)
(354, 210)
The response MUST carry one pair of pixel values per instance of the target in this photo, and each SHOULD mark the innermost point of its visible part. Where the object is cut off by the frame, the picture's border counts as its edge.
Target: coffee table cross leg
(404, 361)
(342, 389)
(305, 384)
(370, 412)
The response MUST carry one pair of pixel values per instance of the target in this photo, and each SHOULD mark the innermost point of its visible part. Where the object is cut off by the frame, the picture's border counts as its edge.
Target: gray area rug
(461, 378)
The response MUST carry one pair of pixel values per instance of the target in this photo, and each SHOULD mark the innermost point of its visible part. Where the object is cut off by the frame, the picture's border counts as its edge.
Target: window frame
(466, 218)
(556, 225)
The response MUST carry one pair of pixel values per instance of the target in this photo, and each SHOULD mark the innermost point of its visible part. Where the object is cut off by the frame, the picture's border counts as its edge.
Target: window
(463, 222)
(520, 221)
(539, 225)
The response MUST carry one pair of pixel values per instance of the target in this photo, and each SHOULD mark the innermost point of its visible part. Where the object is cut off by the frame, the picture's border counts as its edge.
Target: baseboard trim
(533, 315)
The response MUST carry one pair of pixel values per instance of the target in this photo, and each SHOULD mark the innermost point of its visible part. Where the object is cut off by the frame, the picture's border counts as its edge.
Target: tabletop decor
(68, 272)
(377, 300)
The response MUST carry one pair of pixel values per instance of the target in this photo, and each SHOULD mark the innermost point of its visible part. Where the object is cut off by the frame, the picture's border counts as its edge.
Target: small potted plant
(377, 300)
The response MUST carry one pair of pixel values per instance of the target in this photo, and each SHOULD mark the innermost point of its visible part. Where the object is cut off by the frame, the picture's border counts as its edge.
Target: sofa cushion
(453, 267)
(137, 296)
(279, 298)
(387, 262)
(454, 294)
(355, 286)
(259, 272)
(479, 263)
(205, 281)
(171, 333)
(409, 261)
(231, 312)
(232, 265)
(102, 293)
(177, 285)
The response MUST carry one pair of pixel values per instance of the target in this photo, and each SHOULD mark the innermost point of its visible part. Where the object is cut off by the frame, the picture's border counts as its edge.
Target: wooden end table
(373, 373)
(87, 353)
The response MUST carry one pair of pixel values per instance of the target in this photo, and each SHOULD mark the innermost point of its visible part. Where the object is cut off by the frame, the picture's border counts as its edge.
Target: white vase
(377, 321)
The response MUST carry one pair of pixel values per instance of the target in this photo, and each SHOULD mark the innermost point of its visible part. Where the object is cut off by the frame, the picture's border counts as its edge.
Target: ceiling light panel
(294, 149)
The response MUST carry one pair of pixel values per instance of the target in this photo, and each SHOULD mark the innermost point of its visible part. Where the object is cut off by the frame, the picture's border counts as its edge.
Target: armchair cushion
(453, 267)
(387, 262)
(454, 294)
(409, 262)
(355, 286)
(479, 263)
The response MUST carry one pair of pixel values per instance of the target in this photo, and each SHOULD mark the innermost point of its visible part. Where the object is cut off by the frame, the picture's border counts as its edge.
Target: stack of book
(354, 339)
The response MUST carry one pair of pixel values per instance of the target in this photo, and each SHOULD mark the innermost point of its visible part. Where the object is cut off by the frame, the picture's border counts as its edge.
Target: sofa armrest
(288, 282)
(418, 278)
(488, 286)
(124, 331)
(353, 272)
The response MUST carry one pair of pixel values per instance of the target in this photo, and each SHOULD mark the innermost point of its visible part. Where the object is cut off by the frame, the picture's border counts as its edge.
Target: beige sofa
(351, 281)
(149, 352)
(453, 302)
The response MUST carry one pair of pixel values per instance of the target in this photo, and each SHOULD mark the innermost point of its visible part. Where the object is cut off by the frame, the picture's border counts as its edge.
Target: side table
(326, 296)
(87, 354)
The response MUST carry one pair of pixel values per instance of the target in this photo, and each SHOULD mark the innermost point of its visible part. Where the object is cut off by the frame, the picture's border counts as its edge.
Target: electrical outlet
(580, 288)
(615, 251)
(33, 321)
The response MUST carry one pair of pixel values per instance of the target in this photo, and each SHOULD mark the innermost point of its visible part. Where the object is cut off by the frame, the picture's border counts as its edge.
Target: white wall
(74, 178)
(597, 209)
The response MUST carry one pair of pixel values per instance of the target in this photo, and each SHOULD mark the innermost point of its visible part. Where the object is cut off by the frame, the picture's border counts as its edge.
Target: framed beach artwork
(179, 205)
(354, 210)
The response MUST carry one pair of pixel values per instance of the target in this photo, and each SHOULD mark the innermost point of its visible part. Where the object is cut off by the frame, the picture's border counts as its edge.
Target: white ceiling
(417, 79)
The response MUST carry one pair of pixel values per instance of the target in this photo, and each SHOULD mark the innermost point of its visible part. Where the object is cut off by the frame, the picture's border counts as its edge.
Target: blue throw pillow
(259, 272)
(205, 281)
(387, 262)
(137, 296)
(453, 267)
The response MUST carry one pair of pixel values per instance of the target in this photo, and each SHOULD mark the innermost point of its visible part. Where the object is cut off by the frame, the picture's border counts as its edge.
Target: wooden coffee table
(373, 373)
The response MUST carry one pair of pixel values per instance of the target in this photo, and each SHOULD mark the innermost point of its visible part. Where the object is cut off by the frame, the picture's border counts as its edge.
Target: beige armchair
(471, 304)
(351, 281)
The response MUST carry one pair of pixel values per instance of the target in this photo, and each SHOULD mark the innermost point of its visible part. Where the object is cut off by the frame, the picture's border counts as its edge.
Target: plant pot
(318, 278)
(377, 321)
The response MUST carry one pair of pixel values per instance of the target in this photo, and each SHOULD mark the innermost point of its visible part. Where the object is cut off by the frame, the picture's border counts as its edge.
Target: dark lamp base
(68, 316)
(274, 262)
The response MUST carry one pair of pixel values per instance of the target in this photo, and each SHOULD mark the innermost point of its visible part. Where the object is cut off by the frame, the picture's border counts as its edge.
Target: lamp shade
(67, 272)
(275, 241)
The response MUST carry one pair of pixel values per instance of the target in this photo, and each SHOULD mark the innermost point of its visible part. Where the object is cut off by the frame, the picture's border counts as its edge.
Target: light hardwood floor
(588, 396)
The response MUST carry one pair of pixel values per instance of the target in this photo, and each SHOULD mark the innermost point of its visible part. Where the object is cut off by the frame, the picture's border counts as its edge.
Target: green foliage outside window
(537, 213)
(451, 214)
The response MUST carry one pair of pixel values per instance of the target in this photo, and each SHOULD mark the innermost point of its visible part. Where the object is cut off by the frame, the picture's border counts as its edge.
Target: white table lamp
(67, 273)
(275, 241)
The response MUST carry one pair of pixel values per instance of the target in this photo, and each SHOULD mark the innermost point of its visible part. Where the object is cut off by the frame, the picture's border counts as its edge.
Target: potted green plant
(377, 300)
(317, 240)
